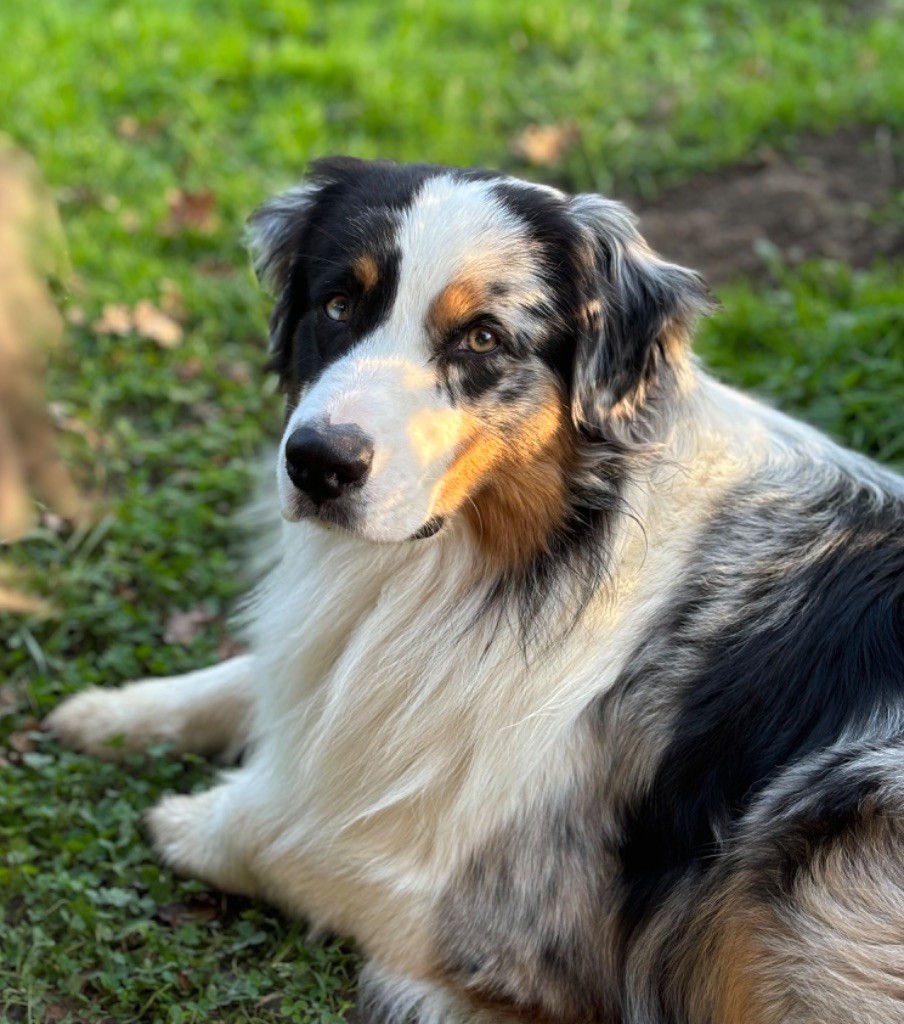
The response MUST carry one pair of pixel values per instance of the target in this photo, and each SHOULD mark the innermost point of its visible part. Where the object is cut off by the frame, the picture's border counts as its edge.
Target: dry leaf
(10, 699)
(184, 627)
(229, 647)
(21, 742)
(199, 909)
(125, 592)
(195, 211)
(127, 127)
(544, 145)
(129, 221)
(53, 1013)
(211, 267)
(115, 318)
(15, 603)
(191, 369)
(265, 1002)
(151, 322)
(241, 373)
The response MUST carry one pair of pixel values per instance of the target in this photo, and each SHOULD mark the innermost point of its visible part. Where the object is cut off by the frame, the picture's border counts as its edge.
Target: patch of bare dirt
(822, 198)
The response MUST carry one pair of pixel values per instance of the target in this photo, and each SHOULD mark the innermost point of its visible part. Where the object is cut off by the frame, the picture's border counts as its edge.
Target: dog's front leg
(205, 712)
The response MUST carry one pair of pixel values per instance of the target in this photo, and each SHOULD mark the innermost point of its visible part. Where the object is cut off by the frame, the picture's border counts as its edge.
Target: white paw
(175, 828)
(192, 835)
(93, 721)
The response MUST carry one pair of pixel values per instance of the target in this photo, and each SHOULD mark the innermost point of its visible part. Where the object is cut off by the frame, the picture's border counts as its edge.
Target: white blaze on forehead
(455, 229)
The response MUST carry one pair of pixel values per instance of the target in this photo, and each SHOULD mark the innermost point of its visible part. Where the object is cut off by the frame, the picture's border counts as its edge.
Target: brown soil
(822, 198)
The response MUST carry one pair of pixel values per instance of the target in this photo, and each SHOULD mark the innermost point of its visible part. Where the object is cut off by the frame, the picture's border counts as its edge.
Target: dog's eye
(338, 307)
(480, 340)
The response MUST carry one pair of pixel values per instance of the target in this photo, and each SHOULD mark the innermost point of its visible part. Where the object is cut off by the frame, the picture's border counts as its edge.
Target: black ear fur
(275, 237)
(638, 316)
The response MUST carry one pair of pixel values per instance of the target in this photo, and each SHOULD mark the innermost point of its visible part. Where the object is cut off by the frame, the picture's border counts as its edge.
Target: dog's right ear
(275, 238)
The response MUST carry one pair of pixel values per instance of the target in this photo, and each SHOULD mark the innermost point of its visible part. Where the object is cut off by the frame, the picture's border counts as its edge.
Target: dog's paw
(194, 837)
(176, 830)
(93, 721)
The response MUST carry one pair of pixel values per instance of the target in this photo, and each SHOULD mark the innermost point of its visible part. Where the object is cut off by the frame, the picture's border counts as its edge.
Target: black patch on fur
(477, 376)
(519, 927)
(563, 270)
(789, 637)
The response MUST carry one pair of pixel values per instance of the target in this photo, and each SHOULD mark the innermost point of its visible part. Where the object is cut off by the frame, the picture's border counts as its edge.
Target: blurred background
(760, 142)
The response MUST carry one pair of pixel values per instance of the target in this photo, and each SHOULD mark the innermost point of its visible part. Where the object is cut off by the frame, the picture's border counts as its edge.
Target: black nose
(325, 461)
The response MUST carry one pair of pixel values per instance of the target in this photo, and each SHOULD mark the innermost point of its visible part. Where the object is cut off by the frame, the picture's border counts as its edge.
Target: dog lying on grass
(576, 693)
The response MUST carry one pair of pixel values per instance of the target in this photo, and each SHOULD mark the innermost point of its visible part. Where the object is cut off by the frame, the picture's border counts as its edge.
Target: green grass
(237, 97)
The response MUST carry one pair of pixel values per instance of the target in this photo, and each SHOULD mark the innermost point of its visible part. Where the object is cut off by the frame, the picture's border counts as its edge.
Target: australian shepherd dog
(576, 689)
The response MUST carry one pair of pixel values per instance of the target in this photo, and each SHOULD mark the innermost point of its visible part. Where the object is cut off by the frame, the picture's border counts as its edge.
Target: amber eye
(480, 340)
(338, 307)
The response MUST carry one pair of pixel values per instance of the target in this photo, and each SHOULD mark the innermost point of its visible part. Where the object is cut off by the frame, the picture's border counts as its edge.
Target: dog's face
(446, 339)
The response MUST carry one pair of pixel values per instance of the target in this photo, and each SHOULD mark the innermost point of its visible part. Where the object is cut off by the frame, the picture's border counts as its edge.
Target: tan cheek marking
(481, 450)
(512, 488)
(366, 271)
(455, 304)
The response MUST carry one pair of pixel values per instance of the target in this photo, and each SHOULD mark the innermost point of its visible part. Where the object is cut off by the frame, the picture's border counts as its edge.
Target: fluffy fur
(585, 703)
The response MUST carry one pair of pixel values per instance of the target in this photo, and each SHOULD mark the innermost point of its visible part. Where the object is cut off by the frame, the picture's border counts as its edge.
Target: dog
(576, 692)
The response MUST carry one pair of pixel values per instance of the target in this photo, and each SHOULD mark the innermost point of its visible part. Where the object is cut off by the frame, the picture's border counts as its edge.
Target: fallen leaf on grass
(21, 742)
(229, 647)
(200, 909)
(146, 320)
(115, 318)
(185, 627)
(214, 268)
(127, 127)
(131, 129)
(190, 211)
(76, 316)
(53, 1013)
(129, 221)
(16, 603)
(265, 1002)
(544, 145)
(151, 322)
(10, 699)
(240, 372)
(191, 369)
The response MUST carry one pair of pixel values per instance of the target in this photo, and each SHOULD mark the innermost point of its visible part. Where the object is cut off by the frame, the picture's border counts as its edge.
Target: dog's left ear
(637, 316)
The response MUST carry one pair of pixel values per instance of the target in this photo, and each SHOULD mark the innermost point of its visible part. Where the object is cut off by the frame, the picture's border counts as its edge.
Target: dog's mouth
(334, 514)
(430, 528)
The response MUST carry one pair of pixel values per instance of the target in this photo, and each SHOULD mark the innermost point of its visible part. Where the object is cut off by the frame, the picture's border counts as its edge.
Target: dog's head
(450, 340)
